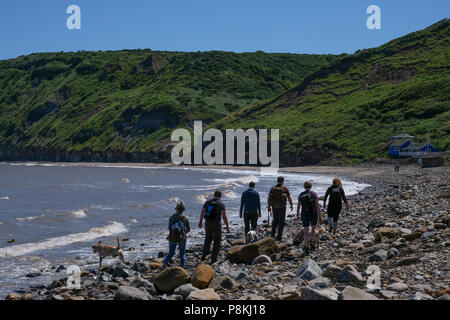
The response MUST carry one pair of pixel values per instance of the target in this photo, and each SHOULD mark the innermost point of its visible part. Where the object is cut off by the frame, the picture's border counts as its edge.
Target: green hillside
(346, 112)
(129, 101)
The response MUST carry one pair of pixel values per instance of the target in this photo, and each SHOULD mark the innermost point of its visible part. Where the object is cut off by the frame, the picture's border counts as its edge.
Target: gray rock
(393, 253)
(185, 290)
(141, 267)
(309, 293)
(131, 293)
(380, 255)
(444, 297)
(309, 270)
(352, 293)
(350, 274)
(398, 286)
(320, 283)
(118, 272)
(422, 296)
(388, 294)
(262, 259)
(332, 271)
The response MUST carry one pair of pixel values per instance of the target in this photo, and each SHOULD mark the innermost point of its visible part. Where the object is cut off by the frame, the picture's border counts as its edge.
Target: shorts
(309, 219)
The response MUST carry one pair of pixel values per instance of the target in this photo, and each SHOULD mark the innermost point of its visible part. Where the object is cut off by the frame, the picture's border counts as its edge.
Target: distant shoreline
(356, 171)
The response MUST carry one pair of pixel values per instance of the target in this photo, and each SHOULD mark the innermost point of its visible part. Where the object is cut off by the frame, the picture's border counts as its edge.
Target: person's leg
(247, 223)
(305, 222)
(182, 248)
(172, 247)
(274, 222)
(254, 220)
(217, 236)
(336, 218)
(281, 220)
(208, 240)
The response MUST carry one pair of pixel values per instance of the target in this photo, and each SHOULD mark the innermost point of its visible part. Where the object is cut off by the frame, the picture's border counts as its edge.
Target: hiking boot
(330, 229)
(312, 246)
(203, 258)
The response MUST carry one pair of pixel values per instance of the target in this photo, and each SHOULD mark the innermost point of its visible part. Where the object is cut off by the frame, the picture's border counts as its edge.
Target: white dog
(252, 236)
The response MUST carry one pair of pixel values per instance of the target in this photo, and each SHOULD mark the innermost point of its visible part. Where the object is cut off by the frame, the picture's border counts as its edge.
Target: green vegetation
(343, 111)
(346, 111)
(131, 100)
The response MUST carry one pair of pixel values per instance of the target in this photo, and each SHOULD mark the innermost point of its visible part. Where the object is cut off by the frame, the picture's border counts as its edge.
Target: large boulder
(131, 293)
(171, 278)
(352, 293)
(202, 276)
(309, 293)
(309, 270)
(248, 252)
(205, 294)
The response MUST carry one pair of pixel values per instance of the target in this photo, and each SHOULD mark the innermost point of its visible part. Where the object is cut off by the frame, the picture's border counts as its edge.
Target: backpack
(212, 210)
(177, 231)
(278, 197)
(308, 202)
(335, 196)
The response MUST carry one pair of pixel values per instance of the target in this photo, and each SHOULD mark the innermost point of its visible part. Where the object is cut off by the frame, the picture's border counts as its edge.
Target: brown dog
(105, 250)
(318, 232)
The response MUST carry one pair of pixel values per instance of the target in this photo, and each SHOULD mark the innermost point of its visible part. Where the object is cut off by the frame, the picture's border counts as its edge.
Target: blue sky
(298, 26)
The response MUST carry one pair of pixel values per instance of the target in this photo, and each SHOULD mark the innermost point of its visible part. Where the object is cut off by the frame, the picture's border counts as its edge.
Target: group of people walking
(213, 213)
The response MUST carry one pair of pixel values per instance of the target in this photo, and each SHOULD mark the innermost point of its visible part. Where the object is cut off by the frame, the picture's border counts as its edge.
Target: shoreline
(399, 224)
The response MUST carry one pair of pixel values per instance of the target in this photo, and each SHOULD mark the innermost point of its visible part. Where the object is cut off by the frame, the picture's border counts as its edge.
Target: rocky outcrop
(248, 252)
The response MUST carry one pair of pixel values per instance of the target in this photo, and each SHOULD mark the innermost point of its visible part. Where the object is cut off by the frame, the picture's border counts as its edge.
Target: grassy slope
(126, 101)
(346, 112)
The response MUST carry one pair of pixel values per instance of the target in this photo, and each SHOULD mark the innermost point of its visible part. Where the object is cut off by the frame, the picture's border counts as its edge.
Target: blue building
(404, 146)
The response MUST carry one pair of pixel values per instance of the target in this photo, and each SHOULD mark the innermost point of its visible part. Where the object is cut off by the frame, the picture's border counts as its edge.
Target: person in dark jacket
(213, 211)
(276, 204)
(251, 205)
(337, 195)
(178, 230)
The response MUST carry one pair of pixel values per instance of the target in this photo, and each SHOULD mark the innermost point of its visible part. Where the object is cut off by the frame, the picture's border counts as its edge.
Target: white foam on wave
(29, 218)
(5, 198)
(52, 243)
(78, 213)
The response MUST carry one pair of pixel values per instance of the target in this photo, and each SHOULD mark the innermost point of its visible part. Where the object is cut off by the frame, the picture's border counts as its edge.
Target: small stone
(380, 255)
(205, 294)
(398, 287)
(407, 261)
(262, 259)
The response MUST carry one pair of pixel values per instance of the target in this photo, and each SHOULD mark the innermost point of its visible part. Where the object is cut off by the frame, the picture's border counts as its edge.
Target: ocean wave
(78, 213)
(5, 198)
(29, 218)
(94, 233)
(238, 182)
